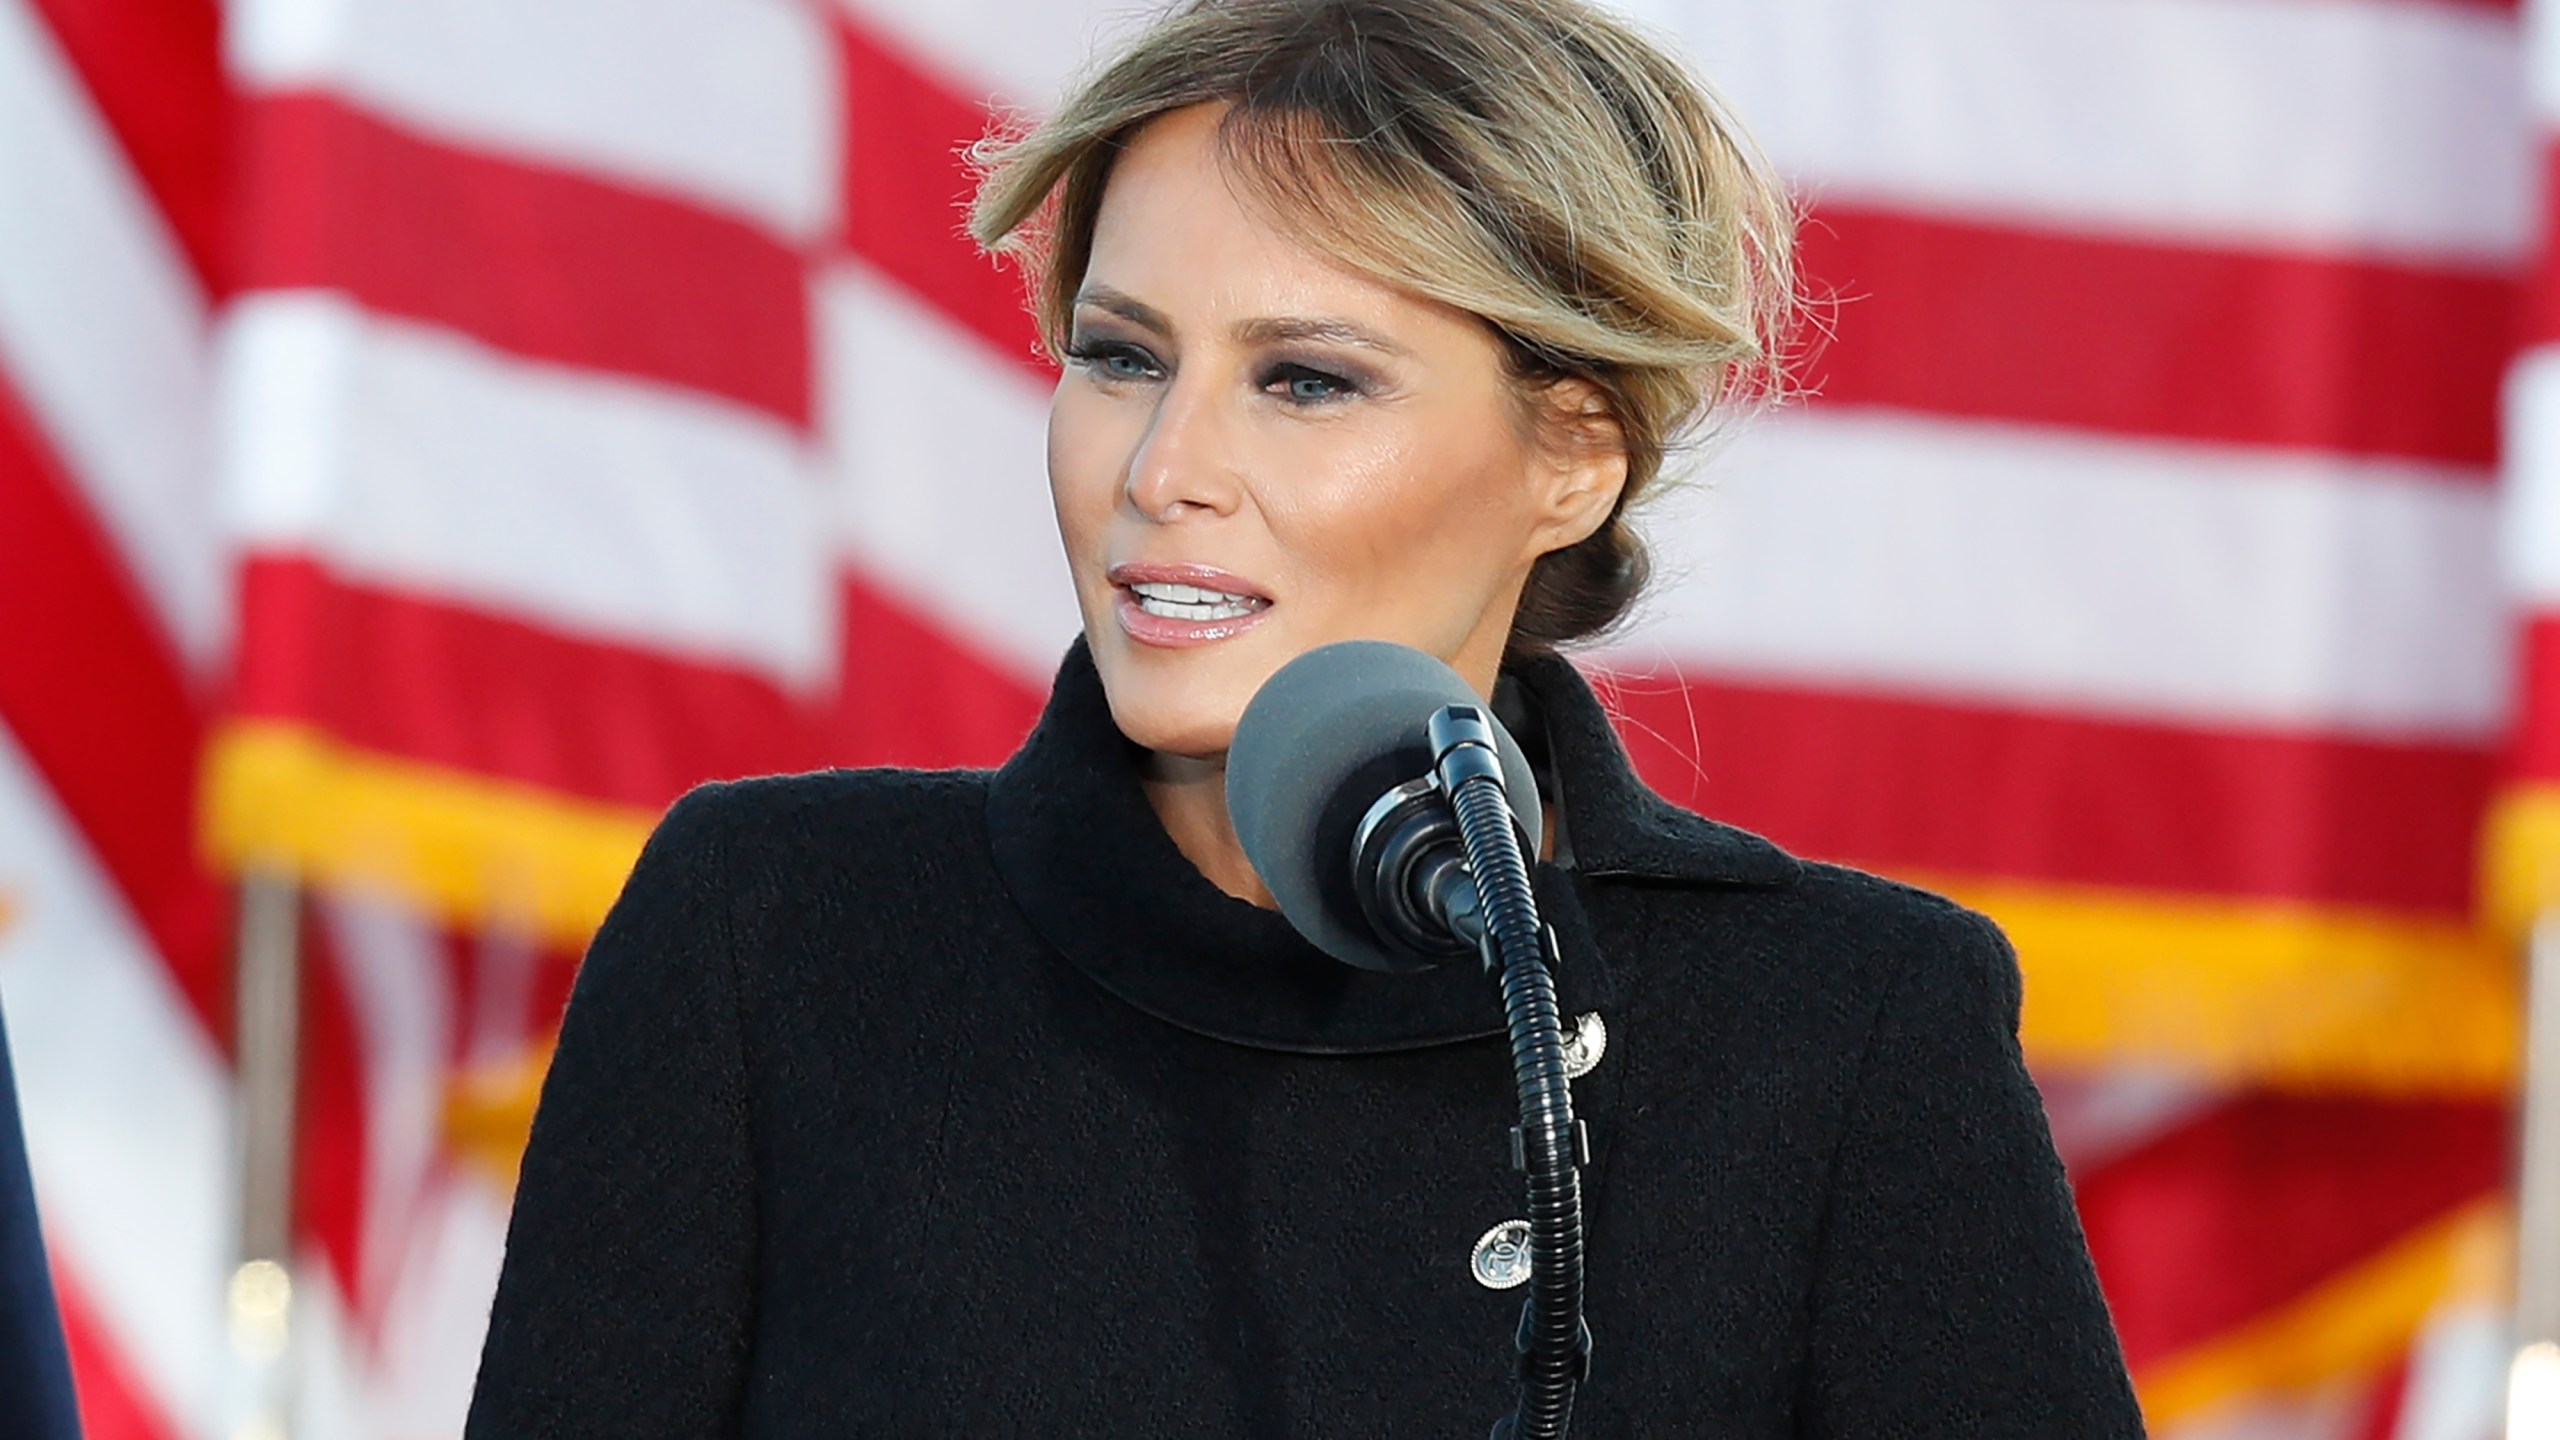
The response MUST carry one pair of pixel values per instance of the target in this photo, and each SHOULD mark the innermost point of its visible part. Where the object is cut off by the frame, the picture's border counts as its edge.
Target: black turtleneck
(904, 1103)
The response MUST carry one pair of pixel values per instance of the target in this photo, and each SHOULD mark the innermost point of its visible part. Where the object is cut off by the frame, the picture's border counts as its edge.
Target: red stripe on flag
(446, 685)
(2536, 751)
(908, 184)
(442, 684)
(2540, 307)
(101, 704)
(2381, 1418)
(336, 1104)
(114, 1405)
(154, 70)
(913, 696)
(541, 262)
(2042, 796)
(509, 992)
(2242, 346)
(2255, 1201)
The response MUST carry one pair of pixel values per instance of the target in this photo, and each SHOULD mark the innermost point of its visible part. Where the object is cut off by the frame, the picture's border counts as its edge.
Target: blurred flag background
(432, 436)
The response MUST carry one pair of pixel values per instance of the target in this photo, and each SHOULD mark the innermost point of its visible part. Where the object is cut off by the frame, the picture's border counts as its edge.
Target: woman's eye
(1303, 385)
(1115, 361)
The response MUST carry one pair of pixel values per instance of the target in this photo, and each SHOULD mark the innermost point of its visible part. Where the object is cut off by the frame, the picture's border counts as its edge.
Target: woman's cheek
(1375, 513)
(1083, 478)
(1347, 479)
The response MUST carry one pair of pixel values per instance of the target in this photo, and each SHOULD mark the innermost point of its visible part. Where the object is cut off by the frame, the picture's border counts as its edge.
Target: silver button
(1501, 1259)
(1584, 1047)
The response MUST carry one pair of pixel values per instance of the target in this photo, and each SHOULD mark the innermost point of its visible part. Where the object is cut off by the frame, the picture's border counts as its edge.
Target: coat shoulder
(1840, 894)
(1887, 937)
(1830, 937)
(838, 813)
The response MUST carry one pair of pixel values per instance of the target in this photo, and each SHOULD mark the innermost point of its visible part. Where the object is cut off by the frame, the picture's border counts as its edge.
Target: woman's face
(1254, 452)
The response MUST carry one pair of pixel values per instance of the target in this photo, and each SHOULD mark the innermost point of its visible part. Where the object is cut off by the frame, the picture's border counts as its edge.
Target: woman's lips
(1174, 605)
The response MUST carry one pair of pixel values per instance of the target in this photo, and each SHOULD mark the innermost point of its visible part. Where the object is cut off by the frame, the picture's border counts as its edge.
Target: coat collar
(1616, 826)
(1089, 865)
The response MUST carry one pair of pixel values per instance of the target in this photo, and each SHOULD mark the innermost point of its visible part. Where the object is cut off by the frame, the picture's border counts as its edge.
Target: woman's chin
(1176, 726)
(1180, 703)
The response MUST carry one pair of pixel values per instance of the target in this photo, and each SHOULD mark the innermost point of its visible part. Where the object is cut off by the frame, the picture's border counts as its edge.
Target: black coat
(897, 1103)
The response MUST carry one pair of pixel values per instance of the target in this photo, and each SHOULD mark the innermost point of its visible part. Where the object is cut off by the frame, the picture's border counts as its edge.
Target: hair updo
(1537, 163)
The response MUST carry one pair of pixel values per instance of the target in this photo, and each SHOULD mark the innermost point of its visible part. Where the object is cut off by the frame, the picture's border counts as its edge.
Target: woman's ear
(1582, 463)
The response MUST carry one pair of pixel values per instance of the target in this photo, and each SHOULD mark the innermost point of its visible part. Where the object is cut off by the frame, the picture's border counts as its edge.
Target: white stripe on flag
(392, 969)
(937, 448)
(428, 1346)
(409, 458)
(406, 1374)
(2457, 1385)
(2184, 582)
(127, 1103)
(732, 102)
(2542, 60)
(2531, 475)
(2354, 125)
(1022, 54)
(2359, 125)
(102, 334)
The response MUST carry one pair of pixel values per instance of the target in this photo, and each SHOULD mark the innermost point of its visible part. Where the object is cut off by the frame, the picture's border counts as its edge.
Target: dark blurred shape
(36, 1398)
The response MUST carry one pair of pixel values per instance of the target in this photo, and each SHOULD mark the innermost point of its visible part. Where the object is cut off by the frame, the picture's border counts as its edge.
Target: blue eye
(1115, 360)
(1303, 385)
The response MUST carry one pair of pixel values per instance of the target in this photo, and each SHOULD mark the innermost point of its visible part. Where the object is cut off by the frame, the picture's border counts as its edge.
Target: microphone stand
(1553, 1341)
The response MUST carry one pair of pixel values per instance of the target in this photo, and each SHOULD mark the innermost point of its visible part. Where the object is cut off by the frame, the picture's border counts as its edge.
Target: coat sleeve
(627, 1297)
(1954, 1292)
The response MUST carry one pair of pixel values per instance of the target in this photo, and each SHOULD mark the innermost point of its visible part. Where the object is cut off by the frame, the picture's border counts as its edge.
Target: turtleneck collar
(1093, 869)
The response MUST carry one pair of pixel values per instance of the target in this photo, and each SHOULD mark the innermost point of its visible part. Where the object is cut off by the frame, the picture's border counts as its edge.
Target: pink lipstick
(1176, 605)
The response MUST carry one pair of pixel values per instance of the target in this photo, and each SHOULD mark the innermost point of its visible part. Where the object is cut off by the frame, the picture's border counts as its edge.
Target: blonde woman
(961, 1104)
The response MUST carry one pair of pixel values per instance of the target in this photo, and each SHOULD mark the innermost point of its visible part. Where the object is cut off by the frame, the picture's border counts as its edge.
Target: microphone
(1331, 787)
(1394, 820)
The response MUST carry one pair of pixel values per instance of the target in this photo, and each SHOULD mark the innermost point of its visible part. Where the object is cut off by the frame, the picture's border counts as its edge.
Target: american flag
(432, 436)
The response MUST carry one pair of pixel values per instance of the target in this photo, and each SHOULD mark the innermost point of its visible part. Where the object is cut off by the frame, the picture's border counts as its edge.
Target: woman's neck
(1190, 797)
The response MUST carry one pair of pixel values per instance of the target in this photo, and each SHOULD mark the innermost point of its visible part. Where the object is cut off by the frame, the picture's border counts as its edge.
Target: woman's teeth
(1190, 602)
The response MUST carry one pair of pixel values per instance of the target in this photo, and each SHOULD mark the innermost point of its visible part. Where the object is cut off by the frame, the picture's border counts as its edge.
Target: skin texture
(1356, 454)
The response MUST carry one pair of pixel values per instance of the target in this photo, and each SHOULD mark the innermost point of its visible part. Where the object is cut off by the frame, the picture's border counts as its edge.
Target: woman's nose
(1185, 462)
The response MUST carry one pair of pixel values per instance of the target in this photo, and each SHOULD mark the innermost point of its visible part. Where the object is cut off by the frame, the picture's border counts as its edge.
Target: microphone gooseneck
(1554, 1342)
(1391, 816)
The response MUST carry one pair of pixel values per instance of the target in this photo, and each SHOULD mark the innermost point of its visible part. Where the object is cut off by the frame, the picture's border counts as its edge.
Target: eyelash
(1096, 356)
(1281, 380)
(1292, 375)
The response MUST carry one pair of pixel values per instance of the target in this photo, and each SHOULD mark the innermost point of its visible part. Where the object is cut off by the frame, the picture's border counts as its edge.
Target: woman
(900, 1103)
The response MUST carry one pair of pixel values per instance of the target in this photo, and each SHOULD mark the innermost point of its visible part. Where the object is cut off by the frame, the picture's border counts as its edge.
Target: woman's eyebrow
(1323, 329)
(1127, 307)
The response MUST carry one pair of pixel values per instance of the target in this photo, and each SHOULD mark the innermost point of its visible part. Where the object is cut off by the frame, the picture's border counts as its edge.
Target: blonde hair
(1537, 163)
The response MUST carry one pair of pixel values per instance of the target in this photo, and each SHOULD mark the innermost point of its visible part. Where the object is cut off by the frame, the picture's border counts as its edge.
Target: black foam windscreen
(1326, 736)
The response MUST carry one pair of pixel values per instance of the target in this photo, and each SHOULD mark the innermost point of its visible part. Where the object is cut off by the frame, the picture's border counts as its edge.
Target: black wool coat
(900, 1103)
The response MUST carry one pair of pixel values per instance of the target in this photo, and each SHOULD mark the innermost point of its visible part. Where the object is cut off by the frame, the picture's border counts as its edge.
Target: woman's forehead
(1182, 231)
(1174, 193)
